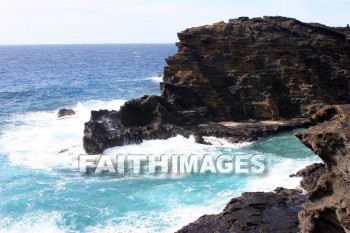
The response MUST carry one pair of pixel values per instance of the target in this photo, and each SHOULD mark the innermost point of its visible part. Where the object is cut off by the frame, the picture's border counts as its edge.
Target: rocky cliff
(260, 68)
(329, 206)
(247, 71)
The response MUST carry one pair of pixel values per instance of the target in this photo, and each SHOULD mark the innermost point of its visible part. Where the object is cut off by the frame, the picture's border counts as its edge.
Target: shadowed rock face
(329, 209)
(261, 68)
(147, 118)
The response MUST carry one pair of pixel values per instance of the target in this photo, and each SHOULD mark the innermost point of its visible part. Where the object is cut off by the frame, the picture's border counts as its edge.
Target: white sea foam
(172, 219)
(175, 145)
(221, 142)
(37, 141)
(156, 79)
(41, 140)
(33, 223)
(278, 174)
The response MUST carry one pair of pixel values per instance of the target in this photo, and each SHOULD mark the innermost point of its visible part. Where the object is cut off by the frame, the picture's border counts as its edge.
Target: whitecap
(33, 223)
(156, 79)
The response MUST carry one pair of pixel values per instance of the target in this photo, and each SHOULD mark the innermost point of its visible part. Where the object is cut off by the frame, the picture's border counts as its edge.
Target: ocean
(41, 188)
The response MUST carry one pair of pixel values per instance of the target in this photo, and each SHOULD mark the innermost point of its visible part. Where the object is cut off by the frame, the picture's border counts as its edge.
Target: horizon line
(122, 43)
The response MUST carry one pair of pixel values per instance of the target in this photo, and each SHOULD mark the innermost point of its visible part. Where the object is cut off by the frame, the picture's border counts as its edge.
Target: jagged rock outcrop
(150, 117)
(65, 112)
(270, 68)
(310, 175)
(329, 206)
(260, 68)
(254, 212)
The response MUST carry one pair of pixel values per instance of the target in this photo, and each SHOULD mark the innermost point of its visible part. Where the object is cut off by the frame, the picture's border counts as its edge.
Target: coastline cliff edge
(245, 79)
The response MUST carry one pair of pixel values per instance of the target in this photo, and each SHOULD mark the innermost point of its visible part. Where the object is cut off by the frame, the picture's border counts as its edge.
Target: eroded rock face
(261, 68)
(150, 117)
(310, 174)
(329, 209)
(254, 212)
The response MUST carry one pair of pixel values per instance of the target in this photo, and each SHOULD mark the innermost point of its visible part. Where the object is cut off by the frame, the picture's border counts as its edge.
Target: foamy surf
(222, 142)
(33, 223)
(41, 140)
(278, 175)
(156, 79)
(172, 220)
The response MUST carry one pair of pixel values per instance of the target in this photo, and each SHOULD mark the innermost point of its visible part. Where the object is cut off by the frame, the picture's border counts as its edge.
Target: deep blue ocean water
(41, 189)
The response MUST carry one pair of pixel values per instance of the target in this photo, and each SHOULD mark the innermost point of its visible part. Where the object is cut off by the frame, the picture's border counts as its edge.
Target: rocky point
(247, 71)
(245, 79)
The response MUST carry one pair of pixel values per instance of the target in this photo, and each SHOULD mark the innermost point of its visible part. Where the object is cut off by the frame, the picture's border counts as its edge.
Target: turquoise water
(41, 189)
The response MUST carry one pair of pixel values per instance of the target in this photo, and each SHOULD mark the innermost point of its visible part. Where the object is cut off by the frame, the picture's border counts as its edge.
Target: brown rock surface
(311, 174)
(329, 206)
(263, 69)
(260, 68)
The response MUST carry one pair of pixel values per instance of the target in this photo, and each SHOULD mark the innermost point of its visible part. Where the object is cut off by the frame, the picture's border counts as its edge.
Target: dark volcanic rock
(224, 81)
(268, 68)
(247, 131)
(65, 112)
(150, 117)
(311, 174)
(254, 212)
(107, 128)
(329, 209)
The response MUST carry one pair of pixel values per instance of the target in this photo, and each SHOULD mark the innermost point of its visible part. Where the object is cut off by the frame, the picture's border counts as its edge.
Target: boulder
(65, 112)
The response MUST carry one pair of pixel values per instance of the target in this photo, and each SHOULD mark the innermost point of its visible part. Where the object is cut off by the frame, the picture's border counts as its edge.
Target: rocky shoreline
(156, 119)
(246, 79)
(271, 68)
(326, 206)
